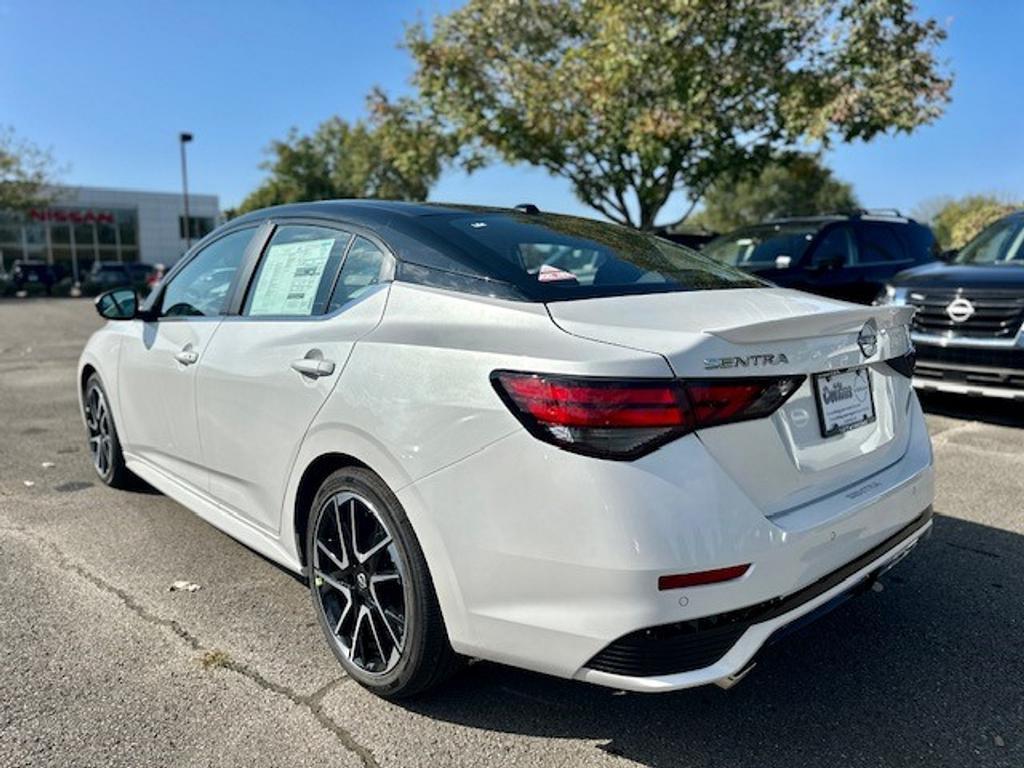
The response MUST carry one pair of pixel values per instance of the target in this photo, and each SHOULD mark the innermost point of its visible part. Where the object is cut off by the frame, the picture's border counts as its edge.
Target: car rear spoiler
(820, 324)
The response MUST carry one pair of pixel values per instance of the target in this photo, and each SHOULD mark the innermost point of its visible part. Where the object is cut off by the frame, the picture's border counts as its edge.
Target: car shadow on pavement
(991, 410)
(929, 671)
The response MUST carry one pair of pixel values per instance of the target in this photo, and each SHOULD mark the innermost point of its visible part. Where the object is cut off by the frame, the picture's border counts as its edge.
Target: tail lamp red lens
(626, 418)
(714, 576)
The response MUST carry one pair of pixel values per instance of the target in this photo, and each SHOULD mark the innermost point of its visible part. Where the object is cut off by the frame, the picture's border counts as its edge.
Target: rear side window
(296, 272)
(881, 244)
(561, 257)
(762, 245)
(363, 268)
(921, 242)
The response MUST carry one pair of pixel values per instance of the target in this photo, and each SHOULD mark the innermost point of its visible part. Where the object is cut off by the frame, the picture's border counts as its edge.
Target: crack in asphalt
(975, 550)
(313, 702)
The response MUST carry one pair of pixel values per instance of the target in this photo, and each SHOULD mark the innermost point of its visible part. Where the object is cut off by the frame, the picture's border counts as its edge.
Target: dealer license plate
(845, 400)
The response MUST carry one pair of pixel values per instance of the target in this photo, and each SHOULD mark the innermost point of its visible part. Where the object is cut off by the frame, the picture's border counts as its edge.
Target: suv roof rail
(808, 217)
(855, 213)
(880, 212)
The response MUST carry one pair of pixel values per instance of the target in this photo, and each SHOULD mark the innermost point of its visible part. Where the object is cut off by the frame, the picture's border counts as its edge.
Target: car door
(270, 366)
(829, 267)
(158, 360)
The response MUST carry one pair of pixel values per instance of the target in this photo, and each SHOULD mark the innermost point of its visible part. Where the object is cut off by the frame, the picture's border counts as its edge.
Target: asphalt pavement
(100, 664)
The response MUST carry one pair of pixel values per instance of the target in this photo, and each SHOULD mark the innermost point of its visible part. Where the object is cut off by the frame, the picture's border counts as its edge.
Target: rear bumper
(541, 558)
(722, 646)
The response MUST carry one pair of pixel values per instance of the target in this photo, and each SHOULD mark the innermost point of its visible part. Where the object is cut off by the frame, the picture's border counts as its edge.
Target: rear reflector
(716, 576)
(626, 418)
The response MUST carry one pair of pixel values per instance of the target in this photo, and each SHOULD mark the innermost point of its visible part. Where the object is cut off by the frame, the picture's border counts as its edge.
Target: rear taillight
(626, 418)
(723, 401)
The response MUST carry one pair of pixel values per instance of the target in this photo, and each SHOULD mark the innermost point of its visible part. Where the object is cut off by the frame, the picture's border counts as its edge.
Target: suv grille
(997, 314)
(991, 367)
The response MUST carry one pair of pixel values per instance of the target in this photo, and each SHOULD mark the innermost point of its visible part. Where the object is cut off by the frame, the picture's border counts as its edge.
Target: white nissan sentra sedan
(546, 441)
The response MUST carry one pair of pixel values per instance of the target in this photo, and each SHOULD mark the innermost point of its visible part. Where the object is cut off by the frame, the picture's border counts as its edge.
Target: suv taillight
(627, 418)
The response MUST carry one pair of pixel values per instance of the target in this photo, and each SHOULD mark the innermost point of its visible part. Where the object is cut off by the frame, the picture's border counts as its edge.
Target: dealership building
(85, 224)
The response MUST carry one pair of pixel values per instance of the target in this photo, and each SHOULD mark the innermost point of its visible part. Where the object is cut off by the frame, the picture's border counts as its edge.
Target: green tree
(397, 153)
(26, 173)
(792, 185)
(960, 220)
(634, 101)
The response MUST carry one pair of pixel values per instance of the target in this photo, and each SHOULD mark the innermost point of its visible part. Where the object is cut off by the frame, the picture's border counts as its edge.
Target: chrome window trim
(960, 341)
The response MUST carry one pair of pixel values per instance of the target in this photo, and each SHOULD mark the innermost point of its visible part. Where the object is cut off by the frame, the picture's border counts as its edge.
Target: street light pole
(185, 138)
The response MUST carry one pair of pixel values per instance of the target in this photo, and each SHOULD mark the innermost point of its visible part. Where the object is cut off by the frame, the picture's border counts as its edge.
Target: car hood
(1005, 276)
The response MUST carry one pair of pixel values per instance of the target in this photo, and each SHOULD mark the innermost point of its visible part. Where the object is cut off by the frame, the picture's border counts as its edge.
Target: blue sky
(107, 86)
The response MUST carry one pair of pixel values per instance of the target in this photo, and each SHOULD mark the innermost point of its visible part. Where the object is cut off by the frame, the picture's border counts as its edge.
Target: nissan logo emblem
(867, 340)
(960, 310)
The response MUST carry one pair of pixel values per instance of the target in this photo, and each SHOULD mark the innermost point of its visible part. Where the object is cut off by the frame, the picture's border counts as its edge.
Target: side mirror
(949, 255)
(118, 304)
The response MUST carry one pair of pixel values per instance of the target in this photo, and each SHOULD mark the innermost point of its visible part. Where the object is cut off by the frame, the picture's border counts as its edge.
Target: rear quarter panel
(416, 394)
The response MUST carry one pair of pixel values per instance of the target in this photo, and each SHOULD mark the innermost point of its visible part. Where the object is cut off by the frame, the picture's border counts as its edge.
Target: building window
(199, 226)
(62, 235)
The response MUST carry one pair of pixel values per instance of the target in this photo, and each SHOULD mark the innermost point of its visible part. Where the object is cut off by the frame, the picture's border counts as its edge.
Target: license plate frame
(835, 422)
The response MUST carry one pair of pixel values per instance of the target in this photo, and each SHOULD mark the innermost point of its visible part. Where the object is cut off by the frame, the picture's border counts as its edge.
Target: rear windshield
(762, 244)
(555, 257)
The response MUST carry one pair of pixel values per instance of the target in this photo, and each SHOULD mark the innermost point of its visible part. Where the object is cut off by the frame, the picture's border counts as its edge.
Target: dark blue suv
(849, 256)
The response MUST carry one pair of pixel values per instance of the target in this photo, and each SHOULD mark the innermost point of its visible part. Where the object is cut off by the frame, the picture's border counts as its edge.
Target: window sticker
(550, 274)
(290, 277)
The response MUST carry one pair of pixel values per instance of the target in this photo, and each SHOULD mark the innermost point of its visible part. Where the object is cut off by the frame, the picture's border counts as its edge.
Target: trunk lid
(782, 461)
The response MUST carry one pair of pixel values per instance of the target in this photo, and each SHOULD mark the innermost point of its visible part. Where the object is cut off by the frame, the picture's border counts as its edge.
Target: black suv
(105, 275)
(848, 256)
(31, 274)
(967, 329)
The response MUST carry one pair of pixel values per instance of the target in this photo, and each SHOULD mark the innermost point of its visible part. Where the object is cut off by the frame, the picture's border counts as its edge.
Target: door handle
(313, 367)
(187, 356)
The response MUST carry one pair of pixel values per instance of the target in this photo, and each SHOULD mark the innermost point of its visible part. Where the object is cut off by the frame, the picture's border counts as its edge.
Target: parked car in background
(546, 441)
(105, 275)
(967, 328)
(35, 276)
(848, 256)
(695, 240)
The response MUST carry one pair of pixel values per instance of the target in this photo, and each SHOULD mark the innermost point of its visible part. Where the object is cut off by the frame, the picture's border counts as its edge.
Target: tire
(104, 445)
(388, 634)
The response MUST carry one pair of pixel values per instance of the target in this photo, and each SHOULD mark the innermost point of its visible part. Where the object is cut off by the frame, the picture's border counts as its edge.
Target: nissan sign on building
(87, 224)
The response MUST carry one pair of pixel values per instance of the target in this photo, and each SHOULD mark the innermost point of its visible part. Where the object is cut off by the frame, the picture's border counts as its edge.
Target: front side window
(762, 245)
(297, 272)
(202, 288)
(998, 243)
(836, 248)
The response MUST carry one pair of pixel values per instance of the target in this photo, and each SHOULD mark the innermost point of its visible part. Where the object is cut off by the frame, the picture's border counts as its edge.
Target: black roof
(419, 249)
(429, 252)
(367, 212)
